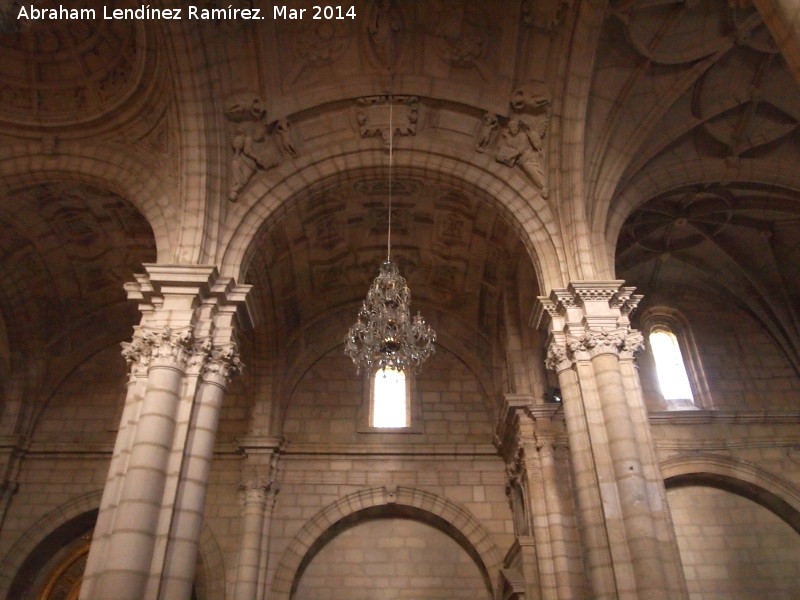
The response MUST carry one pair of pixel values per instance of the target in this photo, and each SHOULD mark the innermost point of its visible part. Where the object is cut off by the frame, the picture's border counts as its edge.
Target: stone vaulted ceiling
(693, 142)
(457, 253)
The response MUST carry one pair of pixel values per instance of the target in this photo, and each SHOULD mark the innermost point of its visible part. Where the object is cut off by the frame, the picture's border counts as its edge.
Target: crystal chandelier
(385, 335)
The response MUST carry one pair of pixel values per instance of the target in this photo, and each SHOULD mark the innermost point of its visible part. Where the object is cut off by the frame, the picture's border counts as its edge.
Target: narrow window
(389, 399)
(670, 369)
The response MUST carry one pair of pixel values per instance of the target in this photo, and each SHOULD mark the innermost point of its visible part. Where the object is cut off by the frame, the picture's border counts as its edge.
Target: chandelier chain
(385, 335)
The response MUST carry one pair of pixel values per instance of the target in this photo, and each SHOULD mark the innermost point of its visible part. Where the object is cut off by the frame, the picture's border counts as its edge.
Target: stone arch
(738, 477)
(97, 166)
(528, 213)
(83, 511)
(26, 543)
(385, 501)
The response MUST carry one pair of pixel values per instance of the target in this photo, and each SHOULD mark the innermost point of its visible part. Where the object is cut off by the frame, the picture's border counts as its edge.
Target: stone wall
(392, 559)
(732, 548)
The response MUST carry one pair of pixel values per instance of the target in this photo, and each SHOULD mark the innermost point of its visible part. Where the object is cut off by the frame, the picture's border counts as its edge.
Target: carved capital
(595, 343)
(258, 491)
(633, 346)
(546, 442)
(222, 365)
(557, 358)
(164, 348)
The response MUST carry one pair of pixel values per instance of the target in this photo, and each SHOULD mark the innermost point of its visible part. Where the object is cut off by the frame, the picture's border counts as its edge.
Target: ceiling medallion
(385, 335)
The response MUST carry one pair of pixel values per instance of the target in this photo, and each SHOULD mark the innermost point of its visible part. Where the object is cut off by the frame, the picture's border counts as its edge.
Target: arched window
(389, 406)
(388, 403)
(676, 364)
(672, 377)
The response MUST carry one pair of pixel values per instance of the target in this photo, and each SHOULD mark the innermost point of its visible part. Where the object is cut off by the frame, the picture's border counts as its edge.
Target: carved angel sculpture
(521, 145)
(251, 148)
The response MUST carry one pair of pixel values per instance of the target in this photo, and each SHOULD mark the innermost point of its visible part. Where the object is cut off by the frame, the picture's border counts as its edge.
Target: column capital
(586, 305)
(257, 491)
(190, 315)
(163, 347)
(220, 366)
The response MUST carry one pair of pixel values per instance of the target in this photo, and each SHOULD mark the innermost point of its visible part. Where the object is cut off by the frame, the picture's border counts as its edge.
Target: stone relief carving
(283, 131)
(103, 58)
(385, 28)
(463, 37)
(521, 146)
(486, 133)
(373, 116)
(252, 148)
(545, 14)
(522, 141)
(317, 45)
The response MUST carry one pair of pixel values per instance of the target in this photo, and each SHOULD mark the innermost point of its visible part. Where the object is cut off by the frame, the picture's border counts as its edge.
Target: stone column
(623, 517)
(119, 461)
(155, 493)
(257, 499)
(180, 553)
(589, 502)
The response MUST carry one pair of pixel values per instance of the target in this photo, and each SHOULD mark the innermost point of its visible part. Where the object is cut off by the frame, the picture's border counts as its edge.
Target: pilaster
(531, 438)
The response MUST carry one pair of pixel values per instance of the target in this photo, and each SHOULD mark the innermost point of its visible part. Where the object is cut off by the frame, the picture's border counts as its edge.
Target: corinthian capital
(223, 364)
(557, 359)
(634, 344)
(163, 347)
(258, 491)
(604, 342)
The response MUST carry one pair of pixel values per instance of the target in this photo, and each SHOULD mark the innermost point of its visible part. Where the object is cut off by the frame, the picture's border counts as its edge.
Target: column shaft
(599, 565)
(130, 546)
(111, 491)
(632, 490)
(187, 518)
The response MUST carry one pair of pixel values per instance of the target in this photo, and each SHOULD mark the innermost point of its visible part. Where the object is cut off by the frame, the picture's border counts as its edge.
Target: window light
(389, 399)
(672, 377)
